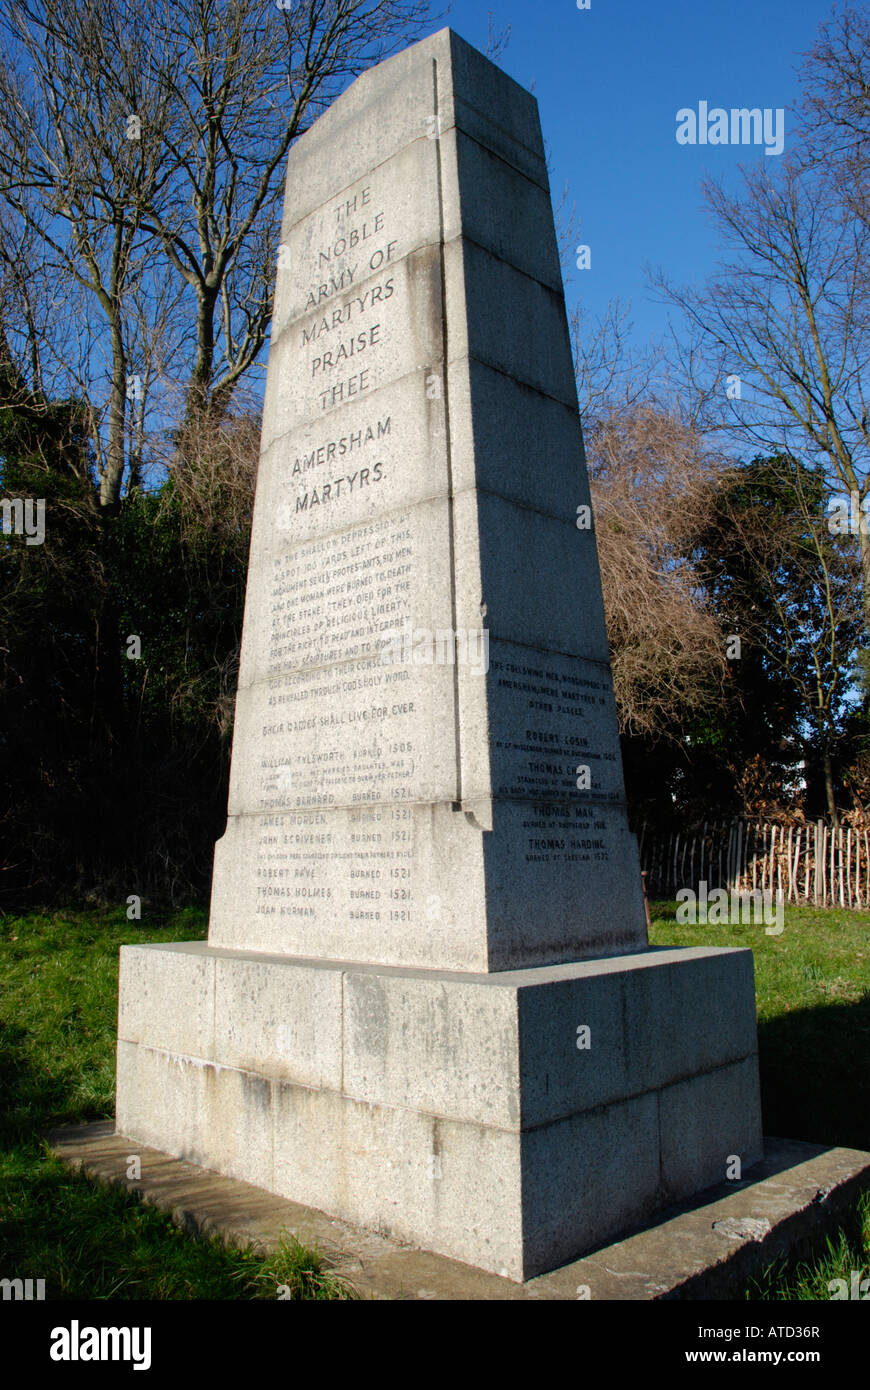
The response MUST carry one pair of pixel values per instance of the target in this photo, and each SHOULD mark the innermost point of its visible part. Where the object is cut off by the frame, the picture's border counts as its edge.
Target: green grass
(812, 986)
(58, 1020)
(803, 1280)
(58, 1011)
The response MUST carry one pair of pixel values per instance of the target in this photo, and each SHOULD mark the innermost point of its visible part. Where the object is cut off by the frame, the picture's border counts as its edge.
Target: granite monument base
(510, 1120)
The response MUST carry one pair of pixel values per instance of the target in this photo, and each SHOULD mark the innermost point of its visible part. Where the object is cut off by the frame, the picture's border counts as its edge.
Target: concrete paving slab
(706, 1249)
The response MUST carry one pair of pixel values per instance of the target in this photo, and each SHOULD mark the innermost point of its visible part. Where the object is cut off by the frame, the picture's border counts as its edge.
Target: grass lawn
(812, 987)
(58, 1012)
(58, 1021)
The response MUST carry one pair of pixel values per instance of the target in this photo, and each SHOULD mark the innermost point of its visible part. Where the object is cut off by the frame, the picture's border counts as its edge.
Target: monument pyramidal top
(426, 766)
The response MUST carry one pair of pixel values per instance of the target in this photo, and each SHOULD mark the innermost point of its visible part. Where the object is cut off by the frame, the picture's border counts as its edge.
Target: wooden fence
(819, 864)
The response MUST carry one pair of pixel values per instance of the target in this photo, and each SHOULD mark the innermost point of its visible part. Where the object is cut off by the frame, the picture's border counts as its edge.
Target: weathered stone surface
(213, 1115)
(457, 1110)
(284, 1023)
(152, 980)
(706, 1122)
(708, 1248)
(421, 471)
(427, 1005)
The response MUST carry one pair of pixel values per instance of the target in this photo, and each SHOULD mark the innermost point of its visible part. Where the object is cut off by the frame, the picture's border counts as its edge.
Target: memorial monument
(427, 1004)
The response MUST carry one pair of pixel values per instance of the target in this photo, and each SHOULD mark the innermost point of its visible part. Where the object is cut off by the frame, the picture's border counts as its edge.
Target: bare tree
(835, 110)
(255, 78)
(68, 84)
(613, 377)
(497, 39)
(775, 349)
(778, 343)
(149, 141)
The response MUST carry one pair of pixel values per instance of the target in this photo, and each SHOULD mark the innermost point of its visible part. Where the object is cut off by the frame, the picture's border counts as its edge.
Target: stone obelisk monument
(427, 1003)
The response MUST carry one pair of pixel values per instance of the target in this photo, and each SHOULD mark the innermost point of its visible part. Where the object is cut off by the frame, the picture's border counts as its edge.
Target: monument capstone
(427, 1003)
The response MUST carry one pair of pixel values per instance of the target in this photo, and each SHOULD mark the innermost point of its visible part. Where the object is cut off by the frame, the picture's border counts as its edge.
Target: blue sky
(609, 82)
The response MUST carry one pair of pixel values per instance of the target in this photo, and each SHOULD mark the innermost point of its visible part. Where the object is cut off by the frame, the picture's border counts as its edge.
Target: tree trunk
(864, 539)
(829, 786)
(112, 473)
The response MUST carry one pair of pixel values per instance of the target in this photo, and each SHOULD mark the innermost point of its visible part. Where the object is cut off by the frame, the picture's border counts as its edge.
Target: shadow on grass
(32, 1098)
(85, 1241)
(89, 1241)
(815, 1073)
(663, 911)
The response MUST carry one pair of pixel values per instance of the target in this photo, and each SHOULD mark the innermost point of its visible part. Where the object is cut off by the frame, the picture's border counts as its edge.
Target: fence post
(646, 904)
